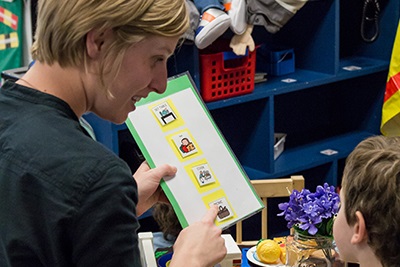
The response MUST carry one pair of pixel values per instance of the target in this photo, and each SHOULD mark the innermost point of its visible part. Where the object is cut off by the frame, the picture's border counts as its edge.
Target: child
(367, 228)
(165, 217)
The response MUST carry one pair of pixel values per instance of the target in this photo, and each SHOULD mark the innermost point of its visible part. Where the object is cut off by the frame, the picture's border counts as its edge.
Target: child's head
(370, 199)
(166, 218)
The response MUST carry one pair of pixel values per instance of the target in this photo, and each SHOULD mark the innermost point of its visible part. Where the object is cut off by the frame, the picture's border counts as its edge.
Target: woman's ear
(96, 41)
(359, 230)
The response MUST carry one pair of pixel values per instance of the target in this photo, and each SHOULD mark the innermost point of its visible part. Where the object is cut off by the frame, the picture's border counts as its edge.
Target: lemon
(283, 256)
(268, 251)
(281, 241)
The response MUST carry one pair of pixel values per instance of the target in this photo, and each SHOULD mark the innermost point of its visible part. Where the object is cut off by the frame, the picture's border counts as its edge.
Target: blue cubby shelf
(332, 100)
(295, 160)
(309, 156)
(304, 79)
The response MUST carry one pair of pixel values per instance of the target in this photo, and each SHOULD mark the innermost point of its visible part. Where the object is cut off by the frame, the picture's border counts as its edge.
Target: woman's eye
(159, 59)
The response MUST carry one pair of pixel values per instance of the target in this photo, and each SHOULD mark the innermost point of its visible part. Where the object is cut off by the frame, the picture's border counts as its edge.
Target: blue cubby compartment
(275, 61)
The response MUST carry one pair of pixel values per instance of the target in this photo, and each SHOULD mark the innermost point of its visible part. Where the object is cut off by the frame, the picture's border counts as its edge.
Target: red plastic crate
(224, 75)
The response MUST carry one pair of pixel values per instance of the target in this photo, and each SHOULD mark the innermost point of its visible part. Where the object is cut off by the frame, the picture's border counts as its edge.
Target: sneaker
(237, 13)
(194, 20)
(213, 24)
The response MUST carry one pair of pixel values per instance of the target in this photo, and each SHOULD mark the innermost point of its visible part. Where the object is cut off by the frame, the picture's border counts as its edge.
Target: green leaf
(329, 227)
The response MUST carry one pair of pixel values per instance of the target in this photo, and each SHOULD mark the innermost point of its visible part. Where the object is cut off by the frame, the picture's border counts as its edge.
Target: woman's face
(143, 70)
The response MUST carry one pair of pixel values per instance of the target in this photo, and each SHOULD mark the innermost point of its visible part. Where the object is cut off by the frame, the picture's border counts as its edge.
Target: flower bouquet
(311, 215)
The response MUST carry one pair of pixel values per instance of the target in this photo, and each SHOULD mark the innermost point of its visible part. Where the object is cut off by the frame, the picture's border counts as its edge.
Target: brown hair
(166, 219)
(371, 185)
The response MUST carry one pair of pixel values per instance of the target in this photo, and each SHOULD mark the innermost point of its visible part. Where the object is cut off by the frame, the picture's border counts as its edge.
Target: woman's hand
(200, 244)
(148, 182)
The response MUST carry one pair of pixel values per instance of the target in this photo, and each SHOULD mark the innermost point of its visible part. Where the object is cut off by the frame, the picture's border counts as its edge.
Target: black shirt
(65, 200)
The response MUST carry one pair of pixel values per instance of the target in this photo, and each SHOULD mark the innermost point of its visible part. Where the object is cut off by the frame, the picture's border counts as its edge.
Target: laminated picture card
(176, 128)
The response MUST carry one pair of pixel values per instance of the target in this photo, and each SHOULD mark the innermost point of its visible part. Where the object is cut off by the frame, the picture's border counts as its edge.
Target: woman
(65, 199)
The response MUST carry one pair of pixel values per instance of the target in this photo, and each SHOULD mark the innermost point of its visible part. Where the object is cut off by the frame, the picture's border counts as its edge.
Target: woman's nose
(159, 81)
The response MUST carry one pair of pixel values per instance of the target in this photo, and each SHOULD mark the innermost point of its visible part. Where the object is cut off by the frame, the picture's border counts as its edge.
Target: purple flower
(311, 212)
(308, 223)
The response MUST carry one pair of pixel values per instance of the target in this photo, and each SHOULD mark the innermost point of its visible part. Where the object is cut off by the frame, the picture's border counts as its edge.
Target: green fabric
(11, 30)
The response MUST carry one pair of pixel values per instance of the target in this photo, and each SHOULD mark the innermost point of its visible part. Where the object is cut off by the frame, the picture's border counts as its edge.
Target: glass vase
(309, 251)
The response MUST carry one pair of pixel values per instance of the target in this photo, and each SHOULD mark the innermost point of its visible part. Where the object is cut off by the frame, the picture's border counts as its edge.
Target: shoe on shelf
(237, 12)
(214, 22)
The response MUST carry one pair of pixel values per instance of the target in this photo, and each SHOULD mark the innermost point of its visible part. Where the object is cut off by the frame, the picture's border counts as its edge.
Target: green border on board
(176, 84)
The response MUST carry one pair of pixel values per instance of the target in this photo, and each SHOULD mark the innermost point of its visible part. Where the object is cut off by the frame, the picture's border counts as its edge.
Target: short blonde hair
(371, 185)
(62, 26)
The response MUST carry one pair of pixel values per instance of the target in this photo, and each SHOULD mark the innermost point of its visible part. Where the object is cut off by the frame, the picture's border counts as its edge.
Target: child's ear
(359, 230)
